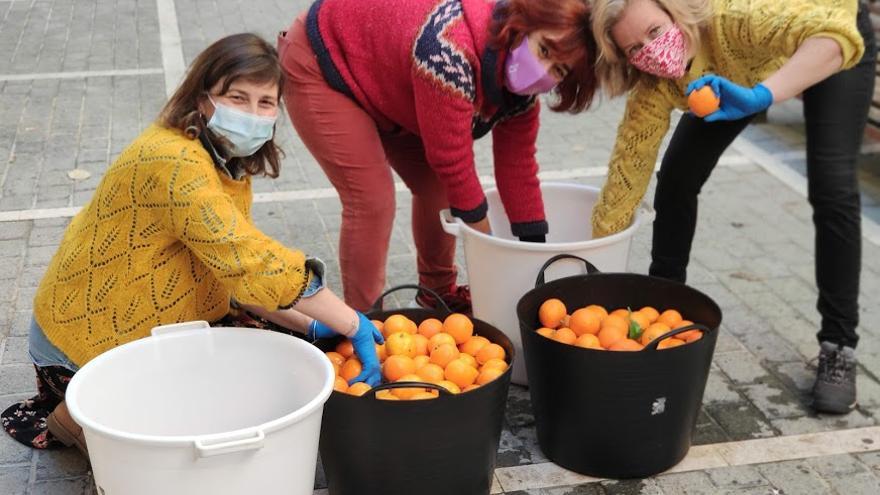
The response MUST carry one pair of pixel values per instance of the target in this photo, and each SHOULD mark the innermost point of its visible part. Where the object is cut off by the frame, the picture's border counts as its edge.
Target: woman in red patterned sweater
(411, 84)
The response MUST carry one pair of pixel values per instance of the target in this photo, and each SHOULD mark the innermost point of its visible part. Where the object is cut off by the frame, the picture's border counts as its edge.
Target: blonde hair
(616, 76)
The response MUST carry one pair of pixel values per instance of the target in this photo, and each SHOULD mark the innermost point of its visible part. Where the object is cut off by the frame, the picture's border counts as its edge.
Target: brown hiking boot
(65, 429)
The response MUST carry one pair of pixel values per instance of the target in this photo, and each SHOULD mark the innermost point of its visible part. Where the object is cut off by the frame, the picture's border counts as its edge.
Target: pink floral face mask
(664, 56)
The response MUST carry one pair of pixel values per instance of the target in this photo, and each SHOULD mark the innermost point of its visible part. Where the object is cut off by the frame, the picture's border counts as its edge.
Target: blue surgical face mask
(245, 131)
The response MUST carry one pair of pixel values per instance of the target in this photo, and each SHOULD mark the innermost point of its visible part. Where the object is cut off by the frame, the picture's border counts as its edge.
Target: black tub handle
(591, 269)
(652, 345)
(389, 386)
(377, 306)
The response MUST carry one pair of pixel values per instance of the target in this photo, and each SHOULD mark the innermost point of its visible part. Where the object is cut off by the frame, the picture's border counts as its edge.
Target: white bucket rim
(452, 226)
(179, 440)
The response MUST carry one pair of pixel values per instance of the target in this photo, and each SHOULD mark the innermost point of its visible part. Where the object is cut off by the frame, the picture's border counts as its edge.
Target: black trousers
(835, 111)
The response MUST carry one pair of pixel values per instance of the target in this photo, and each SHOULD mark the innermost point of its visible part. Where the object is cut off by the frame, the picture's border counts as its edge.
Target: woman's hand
(363, 340)
(737, 101)
(482, 226)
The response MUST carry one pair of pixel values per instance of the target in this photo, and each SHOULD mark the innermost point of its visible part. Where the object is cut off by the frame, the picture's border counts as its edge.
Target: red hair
(575, 48)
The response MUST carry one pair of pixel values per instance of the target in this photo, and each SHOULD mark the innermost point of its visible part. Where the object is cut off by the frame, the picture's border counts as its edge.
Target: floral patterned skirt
(25, 421)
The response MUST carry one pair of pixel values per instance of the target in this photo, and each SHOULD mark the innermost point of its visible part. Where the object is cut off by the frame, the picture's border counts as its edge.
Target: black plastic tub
(441, 446)
(617, 414)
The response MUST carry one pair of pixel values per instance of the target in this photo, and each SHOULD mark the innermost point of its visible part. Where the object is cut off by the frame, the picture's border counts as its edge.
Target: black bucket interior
(617, 414)
(441, 446)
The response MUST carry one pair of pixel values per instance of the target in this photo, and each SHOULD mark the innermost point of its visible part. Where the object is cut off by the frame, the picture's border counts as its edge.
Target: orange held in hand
(703, 101)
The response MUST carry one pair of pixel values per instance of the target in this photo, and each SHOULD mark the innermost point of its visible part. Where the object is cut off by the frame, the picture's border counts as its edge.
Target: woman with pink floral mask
(752, 53)
(408, 85)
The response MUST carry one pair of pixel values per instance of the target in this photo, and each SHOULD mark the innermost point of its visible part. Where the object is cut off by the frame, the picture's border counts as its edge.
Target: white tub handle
(228, 447)
(451, 225)
(178, 327)
(648, 211)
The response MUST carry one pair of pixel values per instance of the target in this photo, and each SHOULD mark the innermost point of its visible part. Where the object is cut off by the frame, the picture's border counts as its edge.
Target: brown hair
(615, 73)
(239, 56)
(576, 47)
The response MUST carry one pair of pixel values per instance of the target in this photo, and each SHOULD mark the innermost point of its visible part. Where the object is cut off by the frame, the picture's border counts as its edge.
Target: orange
(400, 343)
(440, 338)
(473, 345)
(379, 326)
(470, 387)
(546, 332)
(670, 317)
(336, 368)
(488, 374)
(584, 321)
(652, 332)
(490, 351)
(670, 342)
(588, 341)
(420, 361)
(336, 358)
(455, 389)
(381, 352)
(430, 327)
(610, 334)
(340, 385)
(641, 319)
(407, 393)
(359, 388)
(443, 354)
(621, 312)
(626, 345)
(615, 321)
(600, 311)
(690, 335)
(460, 373)
(703, 101)
(351, 369)
(424, 395)
(468, 359)
(430, 373)
(459, 326)
(345, 348)
(398, 366)
(495, 363)
(420, 343)
(651, 313)
(399, 323)
(386, 395)
(551, 313)
(565, 335)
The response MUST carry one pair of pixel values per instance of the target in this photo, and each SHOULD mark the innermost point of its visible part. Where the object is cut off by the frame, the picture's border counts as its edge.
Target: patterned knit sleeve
(645, 122)
(778, 28)
(444, 92)
(516, 172)
(255, 268)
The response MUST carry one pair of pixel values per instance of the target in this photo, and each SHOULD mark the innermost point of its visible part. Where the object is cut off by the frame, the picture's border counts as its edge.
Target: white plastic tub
(501, 268)
(199, 410)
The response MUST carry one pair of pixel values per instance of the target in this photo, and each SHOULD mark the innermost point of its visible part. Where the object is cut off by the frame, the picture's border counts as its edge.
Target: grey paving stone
(741, 367)
(855, 484)
(794, 478)
(741, 421)
(17, 378)
(736, 477)
(76, 486)
(15, 350)
(769, 347)
(584, 489)
(718, 390)
(774, 400)
(632, 487)
(21, 323)
(63, 463)
(11, 451)
(871, 460)
(14, 480)
(815, 424)
(727, 342)
(837, 465)
(695, 482)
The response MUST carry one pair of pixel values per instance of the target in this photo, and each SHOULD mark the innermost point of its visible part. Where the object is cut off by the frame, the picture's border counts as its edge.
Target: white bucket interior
(199, 382)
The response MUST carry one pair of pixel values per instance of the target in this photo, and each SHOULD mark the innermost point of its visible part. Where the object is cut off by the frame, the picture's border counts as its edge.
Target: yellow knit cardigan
(166, 238)
(746, 41)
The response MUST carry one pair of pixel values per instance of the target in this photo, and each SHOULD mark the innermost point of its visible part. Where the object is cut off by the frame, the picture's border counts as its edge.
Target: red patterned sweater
(425, 67)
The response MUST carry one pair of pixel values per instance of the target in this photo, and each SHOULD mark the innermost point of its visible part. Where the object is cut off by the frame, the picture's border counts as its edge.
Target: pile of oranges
(445, 353)
(594, 327)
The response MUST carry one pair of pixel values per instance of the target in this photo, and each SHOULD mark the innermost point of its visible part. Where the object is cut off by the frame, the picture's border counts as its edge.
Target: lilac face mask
(524, 74)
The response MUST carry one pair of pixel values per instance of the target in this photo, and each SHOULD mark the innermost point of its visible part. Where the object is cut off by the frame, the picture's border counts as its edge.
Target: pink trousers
(358, 160)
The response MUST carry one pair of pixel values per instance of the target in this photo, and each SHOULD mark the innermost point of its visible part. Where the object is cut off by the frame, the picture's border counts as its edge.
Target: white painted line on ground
(788, 176)
(79, 75)
(329, 192)
(172, 48)
(719, 455)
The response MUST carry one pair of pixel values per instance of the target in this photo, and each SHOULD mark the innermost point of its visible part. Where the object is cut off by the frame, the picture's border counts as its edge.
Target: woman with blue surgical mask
(168, 237)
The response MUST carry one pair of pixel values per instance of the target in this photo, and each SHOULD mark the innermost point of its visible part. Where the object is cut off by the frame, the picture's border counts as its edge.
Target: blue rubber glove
(736, 101)
(363, 341)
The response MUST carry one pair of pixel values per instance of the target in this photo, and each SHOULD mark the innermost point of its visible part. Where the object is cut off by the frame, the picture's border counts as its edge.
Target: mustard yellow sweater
(746, 41)
(166, 238)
